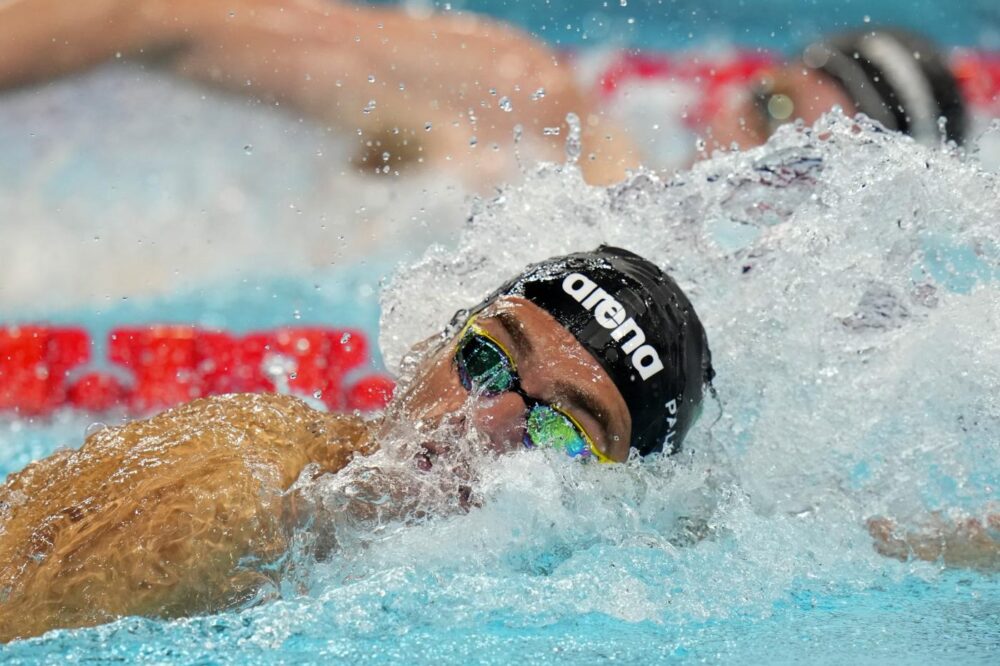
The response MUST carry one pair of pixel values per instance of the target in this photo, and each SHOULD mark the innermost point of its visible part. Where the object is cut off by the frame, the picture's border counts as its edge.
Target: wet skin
(553, 367)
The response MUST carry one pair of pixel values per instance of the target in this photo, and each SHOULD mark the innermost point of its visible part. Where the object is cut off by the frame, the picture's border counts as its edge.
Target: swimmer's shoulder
(279, 432)
(154, 517)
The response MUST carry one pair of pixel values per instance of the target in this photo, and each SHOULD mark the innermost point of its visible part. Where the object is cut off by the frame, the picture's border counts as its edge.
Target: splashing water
(845, 277)
(847, 281)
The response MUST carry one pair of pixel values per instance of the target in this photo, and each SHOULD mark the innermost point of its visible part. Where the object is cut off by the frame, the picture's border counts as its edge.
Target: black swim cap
(896, 78)
(638, 324)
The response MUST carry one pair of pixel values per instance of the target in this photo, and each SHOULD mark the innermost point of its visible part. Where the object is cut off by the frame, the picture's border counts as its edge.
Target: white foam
(845, 278)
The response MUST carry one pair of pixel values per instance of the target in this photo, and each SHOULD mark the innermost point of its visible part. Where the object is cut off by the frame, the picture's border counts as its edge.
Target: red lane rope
(45, 368)
(978, 75)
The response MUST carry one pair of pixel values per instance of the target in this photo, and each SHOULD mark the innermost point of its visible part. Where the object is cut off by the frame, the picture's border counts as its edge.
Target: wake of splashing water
(846, 278)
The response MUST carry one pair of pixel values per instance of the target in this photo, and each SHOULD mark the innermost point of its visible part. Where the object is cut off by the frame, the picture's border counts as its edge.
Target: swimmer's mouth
(426, 457)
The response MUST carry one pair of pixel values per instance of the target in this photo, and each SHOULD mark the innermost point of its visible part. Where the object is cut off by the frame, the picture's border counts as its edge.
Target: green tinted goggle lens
(550, 428)
(483, 366)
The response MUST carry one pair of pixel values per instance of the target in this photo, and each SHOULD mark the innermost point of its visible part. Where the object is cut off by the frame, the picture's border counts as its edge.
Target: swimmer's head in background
(638, 324)
(896, 78)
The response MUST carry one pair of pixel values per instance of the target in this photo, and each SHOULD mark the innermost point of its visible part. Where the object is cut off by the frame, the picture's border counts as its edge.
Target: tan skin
(810, 92)
(181, 513)
(570, 379)
(374, 69)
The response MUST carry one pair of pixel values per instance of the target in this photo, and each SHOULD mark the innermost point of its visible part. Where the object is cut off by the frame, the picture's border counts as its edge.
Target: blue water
(951, 621)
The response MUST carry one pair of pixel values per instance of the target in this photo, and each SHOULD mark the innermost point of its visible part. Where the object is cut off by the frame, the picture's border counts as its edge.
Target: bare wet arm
(166, 517)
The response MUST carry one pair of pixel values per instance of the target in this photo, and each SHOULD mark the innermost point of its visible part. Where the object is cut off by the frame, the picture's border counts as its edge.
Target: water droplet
(867, 19)
(623, 3)
(118, 54)
(371, 78)
(345, 338)
(94, 428)
(473, 141)
(538, 94)
(427, 127)
(550, 131)
(505, 104)
(317, 394)
(248, 149)
(573, 143)
(369, 107)
(296, 315)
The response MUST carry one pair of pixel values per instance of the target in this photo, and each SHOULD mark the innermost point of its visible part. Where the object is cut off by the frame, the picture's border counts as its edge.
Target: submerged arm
(967, 542)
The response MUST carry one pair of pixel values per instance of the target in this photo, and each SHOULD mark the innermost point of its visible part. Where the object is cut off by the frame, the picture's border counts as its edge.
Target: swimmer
(897, 78)
(441, 89)
(597, 354)
(448, 90)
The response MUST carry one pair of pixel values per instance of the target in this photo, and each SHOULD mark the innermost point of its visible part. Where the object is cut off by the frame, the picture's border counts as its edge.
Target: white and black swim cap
(638, 324)
(895, 77)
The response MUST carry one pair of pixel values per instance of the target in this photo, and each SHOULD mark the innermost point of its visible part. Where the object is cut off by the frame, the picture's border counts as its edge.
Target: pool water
(848, 281)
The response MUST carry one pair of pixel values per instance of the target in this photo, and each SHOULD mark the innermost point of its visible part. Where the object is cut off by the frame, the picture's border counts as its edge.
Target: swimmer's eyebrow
(570, 392)
(588, 402)
(512, 325)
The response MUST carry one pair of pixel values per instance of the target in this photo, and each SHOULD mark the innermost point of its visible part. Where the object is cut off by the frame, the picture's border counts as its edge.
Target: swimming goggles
(486, 368)
(773, 106)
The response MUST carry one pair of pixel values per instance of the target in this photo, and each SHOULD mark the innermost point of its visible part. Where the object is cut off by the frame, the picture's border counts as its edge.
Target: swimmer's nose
(501, 420)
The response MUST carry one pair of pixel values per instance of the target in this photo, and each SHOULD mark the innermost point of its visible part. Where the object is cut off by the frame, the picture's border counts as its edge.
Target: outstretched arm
(40, 39)
(967, 542)
(177, 515)
(444, 89)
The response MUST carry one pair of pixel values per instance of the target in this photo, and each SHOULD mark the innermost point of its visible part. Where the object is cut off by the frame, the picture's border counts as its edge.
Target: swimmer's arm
(967, 542)
(40, 39)
(332, 61)
(183, 513)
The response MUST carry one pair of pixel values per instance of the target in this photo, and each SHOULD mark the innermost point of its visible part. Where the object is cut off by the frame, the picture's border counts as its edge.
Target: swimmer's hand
(966, 542)
(176, 515)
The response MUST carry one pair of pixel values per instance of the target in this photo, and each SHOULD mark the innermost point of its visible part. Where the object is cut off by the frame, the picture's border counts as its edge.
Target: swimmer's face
(552, 366)
(748, 117)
